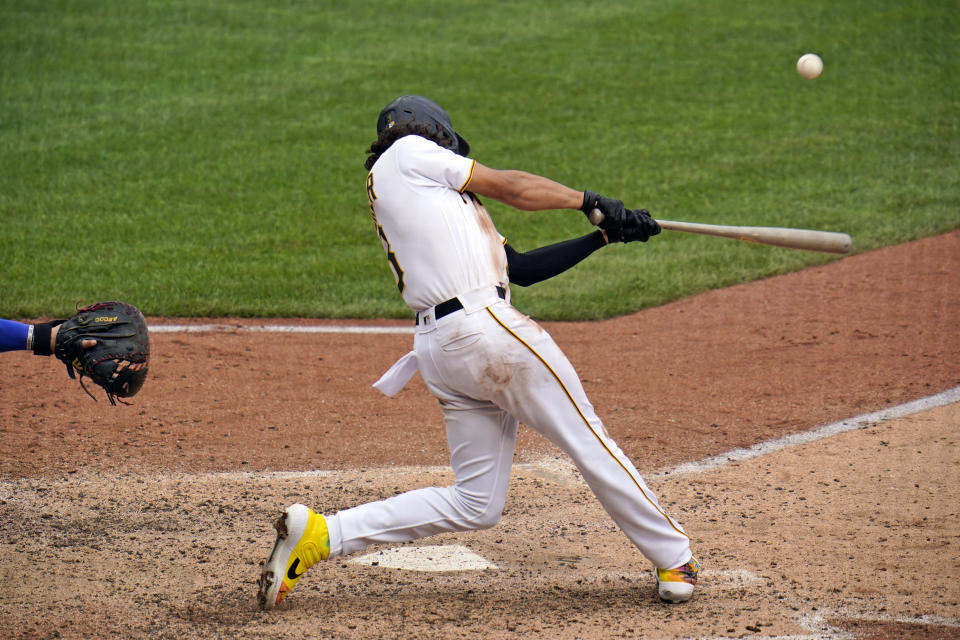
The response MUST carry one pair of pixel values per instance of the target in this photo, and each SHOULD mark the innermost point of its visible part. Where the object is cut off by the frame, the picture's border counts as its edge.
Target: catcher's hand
(109, 343)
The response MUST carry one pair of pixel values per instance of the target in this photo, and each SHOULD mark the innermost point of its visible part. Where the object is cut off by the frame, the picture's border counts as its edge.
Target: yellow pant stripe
(587, 422)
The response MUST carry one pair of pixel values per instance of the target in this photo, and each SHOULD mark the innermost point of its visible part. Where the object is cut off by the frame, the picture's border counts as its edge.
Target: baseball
(809, 65)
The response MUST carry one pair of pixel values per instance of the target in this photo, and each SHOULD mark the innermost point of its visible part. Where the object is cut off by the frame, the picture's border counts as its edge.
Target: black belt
(447, 307)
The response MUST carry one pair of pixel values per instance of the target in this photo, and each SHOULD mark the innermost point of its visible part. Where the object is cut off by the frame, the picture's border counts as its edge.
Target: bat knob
(596, 217)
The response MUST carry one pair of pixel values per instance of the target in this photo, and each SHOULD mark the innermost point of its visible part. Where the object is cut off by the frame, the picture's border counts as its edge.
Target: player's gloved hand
(638, 225)
(614, 212)
(107, 342)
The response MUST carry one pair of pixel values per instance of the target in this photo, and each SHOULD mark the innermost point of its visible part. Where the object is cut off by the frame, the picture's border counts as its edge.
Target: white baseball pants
(490, 366)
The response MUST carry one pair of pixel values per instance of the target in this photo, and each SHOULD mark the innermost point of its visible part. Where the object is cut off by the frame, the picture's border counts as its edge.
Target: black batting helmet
(420, 110)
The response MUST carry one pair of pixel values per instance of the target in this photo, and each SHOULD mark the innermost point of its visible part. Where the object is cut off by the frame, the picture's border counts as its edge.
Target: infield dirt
(151, 520)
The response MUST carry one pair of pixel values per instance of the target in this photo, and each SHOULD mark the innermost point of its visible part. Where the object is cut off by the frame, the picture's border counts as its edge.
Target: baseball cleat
(302, 541)
(676, 585)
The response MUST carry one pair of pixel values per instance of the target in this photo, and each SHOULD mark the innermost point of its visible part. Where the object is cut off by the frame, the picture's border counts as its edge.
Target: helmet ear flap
(463, 147)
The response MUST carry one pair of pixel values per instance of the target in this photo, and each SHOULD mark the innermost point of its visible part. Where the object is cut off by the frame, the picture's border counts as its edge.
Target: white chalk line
(763, 448)
(816, 623)
(562, 470)
(276, 328)
(458, 558)
(820, 629)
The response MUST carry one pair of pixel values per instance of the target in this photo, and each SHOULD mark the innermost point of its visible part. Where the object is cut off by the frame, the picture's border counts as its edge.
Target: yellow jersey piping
(473, 164)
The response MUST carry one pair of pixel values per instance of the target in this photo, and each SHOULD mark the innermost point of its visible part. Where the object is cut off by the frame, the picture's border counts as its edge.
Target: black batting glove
(637, 226)
(614, 212)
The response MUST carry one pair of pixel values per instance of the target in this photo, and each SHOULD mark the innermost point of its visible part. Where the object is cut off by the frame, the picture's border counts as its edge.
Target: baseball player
(107, 342)
(489, 366)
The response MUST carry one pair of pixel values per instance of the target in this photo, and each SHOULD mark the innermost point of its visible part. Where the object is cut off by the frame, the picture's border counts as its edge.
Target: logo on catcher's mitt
(106, 319)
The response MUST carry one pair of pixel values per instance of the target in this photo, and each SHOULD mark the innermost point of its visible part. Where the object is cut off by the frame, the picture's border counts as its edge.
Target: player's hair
(391, 134)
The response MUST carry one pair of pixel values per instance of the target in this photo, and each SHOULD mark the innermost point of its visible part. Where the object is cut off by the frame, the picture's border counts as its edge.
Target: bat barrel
(807, 239)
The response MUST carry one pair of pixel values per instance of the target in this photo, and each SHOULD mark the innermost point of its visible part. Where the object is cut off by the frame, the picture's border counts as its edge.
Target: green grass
(205, 158)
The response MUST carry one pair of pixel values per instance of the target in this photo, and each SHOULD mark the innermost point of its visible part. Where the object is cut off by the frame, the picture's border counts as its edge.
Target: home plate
(430, 558)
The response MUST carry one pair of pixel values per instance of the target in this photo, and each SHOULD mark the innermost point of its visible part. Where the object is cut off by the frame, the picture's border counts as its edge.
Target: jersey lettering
(413, 193)
(392, 257)
(371, 196)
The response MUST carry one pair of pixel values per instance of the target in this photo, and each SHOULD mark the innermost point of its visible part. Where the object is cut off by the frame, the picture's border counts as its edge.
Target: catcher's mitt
(119, 359)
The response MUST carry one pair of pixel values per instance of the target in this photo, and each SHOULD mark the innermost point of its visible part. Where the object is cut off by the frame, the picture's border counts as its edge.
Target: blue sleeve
(13, 335)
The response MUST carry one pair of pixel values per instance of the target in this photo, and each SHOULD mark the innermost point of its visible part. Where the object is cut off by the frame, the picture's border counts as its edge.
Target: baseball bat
(807, 239)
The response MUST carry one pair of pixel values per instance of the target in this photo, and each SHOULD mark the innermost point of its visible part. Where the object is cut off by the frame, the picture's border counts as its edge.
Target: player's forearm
(39, 338)
(536, 193)
(545, 262)
(523, 190)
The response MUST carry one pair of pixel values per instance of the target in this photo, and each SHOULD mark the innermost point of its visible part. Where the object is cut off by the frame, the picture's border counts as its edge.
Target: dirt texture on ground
(151, 520)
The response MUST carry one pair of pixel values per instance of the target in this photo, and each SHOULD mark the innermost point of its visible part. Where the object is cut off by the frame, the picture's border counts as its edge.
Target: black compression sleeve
(545, 262)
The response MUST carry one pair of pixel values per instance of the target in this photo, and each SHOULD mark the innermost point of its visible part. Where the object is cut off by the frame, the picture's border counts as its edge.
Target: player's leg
(552, 401)
(547, 396)
(481, 441)
(481, 453)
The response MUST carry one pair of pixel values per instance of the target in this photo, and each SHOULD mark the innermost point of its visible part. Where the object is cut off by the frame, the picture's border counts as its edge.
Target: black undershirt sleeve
(545, 262)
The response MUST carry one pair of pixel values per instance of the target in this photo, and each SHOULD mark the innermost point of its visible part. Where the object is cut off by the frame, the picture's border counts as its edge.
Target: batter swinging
(489, 365)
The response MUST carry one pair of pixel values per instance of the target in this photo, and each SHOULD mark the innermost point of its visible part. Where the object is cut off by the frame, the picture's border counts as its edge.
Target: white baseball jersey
(440, 242)
(489, 366)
